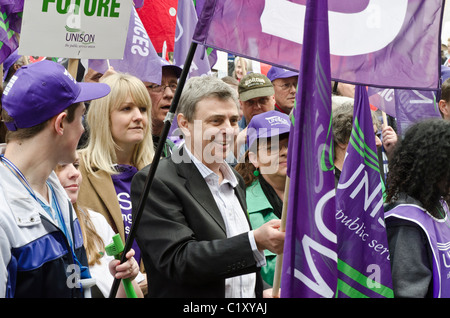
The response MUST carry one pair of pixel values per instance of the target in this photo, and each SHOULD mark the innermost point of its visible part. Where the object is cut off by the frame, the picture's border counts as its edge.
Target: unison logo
(82, 37)
(73, 27)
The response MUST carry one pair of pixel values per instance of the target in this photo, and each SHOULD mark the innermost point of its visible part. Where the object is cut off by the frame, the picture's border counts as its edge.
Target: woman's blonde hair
(100, 152)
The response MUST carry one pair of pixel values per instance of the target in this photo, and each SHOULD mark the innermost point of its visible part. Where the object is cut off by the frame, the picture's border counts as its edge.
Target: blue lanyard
(19, 175)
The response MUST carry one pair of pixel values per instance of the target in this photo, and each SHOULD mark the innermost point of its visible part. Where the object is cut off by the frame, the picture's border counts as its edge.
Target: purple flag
(186, 22)
(138, 3)
(364, 268)
(372, 42)
(407, 106)
(309, 259)
(13, 10)
(140, 58)
(412, 106)
(383, 99)
(8, 40)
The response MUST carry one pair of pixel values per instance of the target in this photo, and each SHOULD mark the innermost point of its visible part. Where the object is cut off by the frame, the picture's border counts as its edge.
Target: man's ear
(443, 107)
(183, 124)
(58, 123)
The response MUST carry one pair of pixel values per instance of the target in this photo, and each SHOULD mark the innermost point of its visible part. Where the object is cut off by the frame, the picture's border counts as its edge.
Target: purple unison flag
(364, 268)
(309, 259)
(186, 22)
(140, 58)
(372, 42)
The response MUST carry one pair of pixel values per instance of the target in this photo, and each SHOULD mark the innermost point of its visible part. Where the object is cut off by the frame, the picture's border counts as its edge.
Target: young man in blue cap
(285, 87)
(41, 245)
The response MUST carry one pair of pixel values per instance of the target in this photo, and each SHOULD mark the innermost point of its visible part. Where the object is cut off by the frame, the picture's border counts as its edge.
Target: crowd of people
(211, 222)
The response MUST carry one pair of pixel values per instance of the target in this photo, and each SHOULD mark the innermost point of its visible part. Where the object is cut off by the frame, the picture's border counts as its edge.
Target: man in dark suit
(194, 233)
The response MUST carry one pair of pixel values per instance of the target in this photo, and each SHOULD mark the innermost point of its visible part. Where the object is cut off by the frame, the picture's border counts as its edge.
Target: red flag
(159, 19)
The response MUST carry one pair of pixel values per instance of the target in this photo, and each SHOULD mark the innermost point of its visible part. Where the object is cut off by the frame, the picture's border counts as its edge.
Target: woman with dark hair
(264, 174)
(417, 219)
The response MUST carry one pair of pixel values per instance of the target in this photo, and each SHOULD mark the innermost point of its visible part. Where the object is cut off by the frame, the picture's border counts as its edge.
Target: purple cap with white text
(39, 91)
(267, 125)
(276, 72)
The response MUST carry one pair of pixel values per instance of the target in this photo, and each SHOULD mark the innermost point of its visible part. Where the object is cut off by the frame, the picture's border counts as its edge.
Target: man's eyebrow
(215, 116)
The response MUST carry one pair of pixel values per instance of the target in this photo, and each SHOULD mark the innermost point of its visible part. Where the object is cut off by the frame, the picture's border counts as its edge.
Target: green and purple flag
(372, 42)
(10, 24)
(364, 268)
(309, 258)
(14, 10)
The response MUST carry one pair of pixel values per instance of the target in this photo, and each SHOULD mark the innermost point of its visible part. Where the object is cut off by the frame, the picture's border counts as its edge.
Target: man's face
(285, 89)
(161, 98)
(257, 106)
(74, 131)
(210, 135)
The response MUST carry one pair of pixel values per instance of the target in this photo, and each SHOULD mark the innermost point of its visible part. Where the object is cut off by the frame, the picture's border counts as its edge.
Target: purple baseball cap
(175, 68)
(266, 125)
(10, 60)
(39, 91)
(276, 72)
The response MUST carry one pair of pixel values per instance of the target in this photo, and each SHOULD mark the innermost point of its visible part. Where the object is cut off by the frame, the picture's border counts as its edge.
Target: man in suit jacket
(194, 233)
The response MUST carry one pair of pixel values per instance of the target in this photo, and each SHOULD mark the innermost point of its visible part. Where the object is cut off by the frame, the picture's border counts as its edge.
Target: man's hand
(269, 237)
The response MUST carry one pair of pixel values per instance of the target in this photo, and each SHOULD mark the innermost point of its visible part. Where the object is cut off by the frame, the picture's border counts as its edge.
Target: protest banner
(75, 29)
(378, 43)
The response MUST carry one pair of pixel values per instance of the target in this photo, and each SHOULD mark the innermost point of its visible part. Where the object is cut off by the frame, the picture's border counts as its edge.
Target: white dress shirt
(235, 223)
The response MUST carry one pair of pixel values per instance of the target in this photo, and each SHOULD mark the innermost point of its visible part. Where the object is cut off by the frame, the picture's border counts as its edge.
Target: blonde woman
(119, 145)
(96, 235)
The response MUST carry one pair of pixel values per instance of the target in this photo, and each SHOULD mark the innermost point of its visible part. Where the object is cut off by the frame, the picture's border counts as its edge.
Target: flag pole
(279, 262)
(385, 122)
(72, 67)
(148, 182)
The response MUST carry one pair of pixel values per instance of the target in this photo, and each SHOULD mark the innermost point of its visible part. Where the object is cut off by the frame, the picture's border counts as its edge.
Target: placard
(90, 29)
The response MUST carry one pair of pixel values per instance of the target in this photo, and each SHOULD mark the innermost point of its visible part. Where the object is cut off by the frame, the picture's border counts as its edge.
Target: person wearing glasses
(256, 96)
(285, 87)
(161, 96)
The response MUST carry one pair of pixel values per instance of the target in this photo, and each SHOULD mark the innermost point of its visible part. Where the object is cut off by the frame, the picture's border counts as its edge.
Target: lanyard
(59, 218)
(54, 202)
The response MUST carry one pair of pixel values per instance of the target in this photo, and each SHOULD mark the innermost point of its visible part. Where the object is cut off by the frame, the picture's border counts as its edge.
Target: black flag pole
(148, 182)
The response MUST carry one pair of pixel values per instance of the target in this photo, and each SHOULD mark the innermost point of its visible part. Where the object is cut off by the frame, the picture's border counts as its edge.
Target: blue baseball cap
(276, 72)
(267, 125)
(41, 90)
